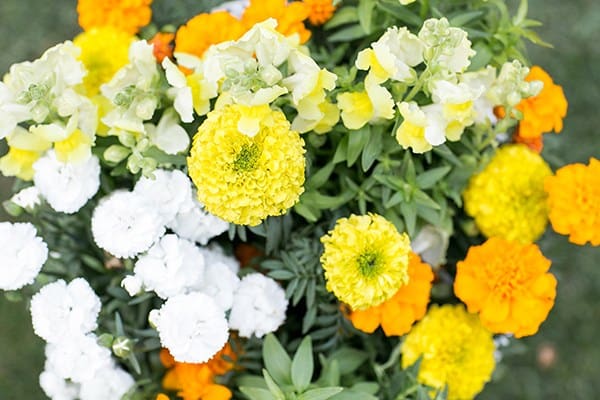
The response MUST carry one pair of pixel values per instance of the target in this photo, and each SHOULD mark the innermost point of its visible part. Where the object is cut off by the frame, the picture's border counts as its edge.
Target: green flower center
(247, 158)
(369, 263)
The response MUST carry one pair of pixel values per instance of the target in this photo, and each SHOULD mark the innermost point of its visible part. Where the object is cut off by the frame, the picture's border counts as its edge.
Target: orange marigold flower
(204, 30)
(162, 396)
(289, 16)
(196, 381)
(320, 11)
(574, 202)
(544, 112)
(536, 144)
(408, 305)
(126, 15)
(508, 284)
(163, 45)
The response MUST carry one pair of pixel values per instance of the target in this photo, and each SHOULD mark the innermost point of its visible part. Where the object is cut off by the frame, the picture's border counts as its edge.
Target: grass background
(561, 362)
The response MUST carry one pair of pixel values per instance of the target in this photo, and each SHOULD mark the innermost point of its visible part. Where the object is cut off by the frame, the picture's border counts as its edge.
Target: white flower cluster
(23, 255)
(77, 367)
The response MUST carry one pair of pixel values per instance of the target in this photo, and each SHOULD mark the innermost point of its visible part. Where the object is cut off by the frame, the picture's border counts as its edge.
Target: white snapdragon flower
(220, 283)
(23, 255)
(172, 266)
(511, 87)
(57, 387)
(107, 384)
(446, 47)
(191, 326)
(197, 224)
(11, 112)
(180, 90)
(66, 186)
(168, 135)
(269, 46)
(392, 56)
(60, 311)
(482, 81)
(124, 224)
(27, 198)
(204, 86)
(431, 243)
(168, 193)
(259, 306)
(456, 100)
(77, 358)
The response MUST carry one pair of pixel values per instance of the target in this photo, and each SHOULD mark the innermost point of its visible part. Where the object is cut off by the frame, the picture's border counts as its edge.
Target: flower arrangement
(213, 195)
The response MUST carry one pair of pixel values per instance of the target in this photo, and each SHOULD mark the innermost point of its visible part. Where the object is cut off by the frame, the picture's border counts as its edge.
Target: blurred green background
(561, 362)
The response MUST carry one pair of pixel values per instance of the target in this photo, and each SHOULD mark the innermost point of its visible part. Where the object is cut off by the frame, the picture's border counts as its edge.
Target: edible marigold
(244, 179)
(196, 381)
(545, 111)
(103, 52)
(319, 11)
(126, 15)
(508, 284)
(574, 201)
(365, 260)
(289, 16)
(163, 45)
(457, 351)
(408, 305)
(507, 198)
(204, 30)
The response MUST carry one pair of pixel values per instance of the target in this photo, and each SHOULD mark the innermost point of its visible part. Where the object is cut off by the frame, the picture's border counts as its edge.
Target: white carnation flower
(258, 306)
(107, 384)
(27, 198)
(23, 255)
(56, 387)
(172, 266)
(169, 192)
(192, 326)
(79, 358)
(124, 224)
(197, 224)
(66, 186)
(60, 311)
(132, 284)
(220, 283)
(214, 254)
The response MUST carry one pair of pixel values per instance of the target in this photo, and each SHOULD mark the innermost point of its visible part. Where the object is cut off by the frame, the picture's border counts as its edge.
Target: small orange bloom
(126, 15)
(204, 30)
(320, 11)
(408, 305)
(542, 113)
(163, 45)
(574, 202)
(508, 284)
(289, 16)
(162, 396)
(536, 144)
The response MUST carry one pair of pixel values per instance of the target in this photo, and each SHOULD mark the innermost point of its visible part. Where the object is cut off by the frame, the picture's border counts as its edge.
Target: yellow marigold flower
(244, 179)
(103, 52)
(204, 30)
(574, 202)
(289, 16)
(319, 11)
(408, 305)
(126, 15)
(457, 351)
(197, 381)
(544, 112)
(507, 198)
(365, 260)
(508, 284)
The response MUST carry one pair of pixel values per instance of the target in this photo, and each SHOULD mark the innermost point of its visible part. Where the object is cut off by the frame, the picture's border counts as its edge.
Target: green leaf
(281, 274)
(372, 150)
(344, 15)
(400, 12)
(309, 213)
(464, 18)
(351, 33)
(273, 388)
(349, 394)
(276, 360)
(365, 14)
(429, 178)
(349, 359)
(421, 198)
(302, 365)
(254, 393)
(409, 212)
(320, 394)
(320, 177)
(357, 140)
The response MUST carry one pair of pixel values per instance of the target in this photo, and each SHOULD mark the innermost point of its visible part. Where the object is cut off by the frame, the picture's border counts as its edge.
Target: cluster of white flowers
(23, 255)
(76, 367)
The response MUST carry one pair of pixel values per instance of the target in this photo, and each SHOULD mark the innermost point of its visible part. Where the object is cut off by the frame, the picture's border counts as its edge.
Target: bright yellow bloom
(359, 108)
(408, 305)
(126, 15)
(411, 132)
(507, 198)
(289, 16)
(365, 260)
(245, 179)
(508, 284)
(19, 163)
(542, 113)
(103, 52)
(76, 147)
(204, 30)
(457, 351)
(320, 11)
(574, 201)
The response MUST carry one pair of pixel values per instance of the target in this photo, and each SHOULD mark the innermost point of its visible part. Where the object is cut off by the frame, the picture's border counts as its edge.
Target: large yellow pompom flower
(243, 178)
(103, 52)
(574, 201)
(126, 15)
(365, 260)
(508, 284)
(457, 351)
(507, 198)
